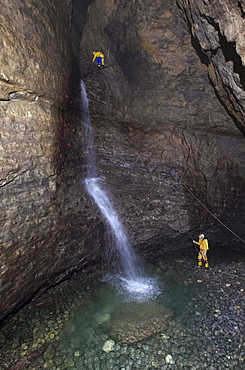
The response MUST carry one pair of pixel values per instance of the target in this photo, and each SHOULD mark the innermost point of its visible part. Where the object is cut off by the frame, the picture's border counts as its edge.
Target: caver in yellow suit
(203, 244)
(99, 58)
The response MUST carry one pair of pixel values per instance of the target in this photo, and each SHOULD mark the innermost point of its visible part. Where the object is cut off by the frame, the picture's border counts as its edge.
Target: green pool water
(86, 323)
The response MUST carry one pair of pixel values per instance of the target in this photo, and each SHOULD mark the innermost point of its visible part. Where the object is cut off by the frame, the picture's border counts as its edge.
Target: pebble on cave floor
(69, 325)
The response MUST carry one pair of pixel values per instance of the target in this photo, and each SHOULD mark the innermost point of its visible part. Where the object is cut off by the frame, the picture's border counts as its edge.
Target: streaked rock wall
(161, 132)
(44, 227)
(159, 124)
(218, 30)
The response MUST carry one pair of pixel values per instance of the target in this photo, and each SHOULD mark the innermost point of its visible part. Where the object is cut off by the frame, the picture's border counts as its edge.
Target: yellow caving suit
(203, 244)
(99, 57)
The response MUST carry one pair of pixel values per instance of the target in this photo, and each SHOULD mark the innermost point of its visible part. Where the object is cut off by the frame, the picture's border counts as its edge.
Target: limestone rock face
(218, 28)
(42, 234)
(32, 32)
(172, 156)
(165, 143)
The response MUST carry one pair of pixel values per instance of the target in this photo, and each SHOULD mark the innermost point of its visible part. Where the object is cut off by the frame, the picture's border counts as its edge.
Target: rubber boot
(199, 263)
(206, 264)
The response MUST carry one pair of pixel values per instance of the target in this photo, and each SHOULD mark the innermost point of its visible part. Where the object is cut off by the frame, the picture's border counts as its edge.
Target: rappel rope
(222, 272)
(96, 70)
(242, 240)
(227, 273)
(192, 241)
(199, 203)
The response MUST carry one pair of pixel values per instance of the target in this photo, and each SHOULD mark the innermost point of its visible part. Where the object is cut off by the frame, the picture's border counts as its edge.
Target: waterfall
(121, 242)
(132, 278)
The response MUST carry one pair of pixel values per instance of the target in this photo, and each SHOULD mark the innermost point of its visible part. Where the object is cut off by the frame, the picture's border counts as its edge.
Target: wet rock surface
(159, 128)
(161, 134)
(154, 76)
(206, 331)
(132, 327)
(40, 146)
(161, 178)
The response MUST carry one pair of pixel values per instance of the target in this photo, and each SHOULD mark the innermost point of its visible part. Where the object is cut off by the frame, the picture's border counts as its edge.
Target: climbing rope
(237, 236)
(192, 241)
(147, 196)
(199, 203)
(96, 70)
(222, 272)
(227, 273)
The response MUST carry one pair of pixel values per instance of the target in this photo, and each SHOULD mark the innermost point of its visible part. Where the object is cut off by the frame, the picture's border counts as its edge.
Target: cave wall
(44, 226)
(218, 28)
(159, 130)
(159, 127)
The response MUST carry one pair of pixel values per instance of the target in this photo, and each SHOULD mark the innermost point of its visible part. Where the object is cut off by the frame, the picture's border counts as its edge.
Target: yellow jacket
(98, 54)
(203, 243)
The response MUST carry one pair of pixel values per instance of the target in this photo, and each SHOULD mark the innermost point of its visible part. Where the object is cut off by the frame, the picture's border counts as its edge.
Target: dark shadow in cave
(230, 54)
(237, 123)
(202, 56)
(241, 8)
(78, 19)
(229, 51)
(74, 84)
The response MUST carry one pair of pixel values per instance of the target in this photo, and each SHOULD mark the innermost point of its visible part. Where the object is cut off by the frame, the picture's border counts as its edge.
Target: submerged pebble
(108, 346)
(169, 360)
(71, 333)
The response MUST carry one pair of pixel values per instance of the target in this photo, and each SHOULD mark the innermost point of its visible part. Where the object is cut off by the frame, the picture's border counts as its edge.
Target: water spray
(131, 280)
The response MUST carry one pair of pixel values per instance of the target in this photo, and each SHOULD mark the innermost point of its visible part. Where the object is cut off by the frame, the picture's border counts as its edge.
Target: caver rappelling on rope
(98, 63)
(98, 58)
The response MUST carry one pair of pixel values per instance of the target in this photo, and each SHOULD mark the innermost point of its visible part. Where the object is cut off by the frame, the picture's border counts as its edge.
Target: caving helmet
(201, 236)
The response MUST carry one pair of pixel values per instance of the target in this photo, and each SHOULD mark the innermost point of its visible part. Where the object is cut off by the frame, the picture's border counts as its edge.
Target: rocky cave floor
(67, 327)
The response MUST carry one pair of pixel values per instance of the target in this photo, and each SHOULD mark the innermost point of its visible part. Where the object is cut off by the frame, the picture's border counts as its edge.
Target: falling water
(128, 258)
(132, 279)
